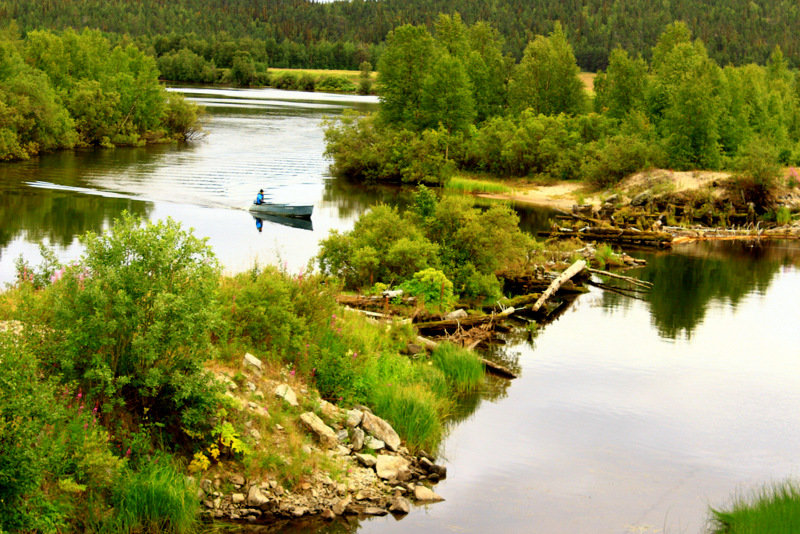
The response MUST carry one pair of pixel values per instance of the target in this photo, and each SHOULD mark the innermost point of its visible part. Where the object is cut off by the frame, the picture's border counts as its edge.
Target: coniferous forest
(343, 34)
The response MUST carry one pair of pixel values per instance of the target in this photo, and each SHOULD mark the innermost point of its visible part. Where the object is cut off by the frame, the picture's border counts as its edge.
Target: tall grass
(157, 498)
(774, 510)
(470, 185)
(414, 412)
(462, 368)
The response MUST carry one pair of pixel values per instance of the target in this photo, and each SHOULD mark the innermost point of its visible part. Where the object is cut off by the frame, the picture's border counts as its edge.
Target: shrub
(129, 322)
(284, 80)
(758, 172)
(337, 84)
(432, 287)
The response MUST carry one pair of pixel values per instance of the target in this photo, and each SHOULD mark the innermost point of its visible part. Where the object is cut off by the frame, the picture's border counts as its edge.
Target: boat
(283, 210)
(293, 222)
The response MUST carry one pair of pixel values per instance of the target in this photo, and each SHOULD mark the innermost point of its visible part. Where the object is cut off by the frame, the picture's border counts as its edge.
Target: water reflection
(692, 278)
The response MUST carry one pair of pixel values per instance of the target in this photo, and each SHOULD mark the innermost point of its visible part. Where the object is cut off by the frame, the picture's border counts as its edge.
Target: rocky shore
(378, 474)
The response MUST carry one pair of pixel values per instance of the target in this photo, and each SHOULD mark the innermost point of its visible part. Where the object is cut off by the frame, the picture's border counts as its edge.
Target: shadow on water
(687, 280)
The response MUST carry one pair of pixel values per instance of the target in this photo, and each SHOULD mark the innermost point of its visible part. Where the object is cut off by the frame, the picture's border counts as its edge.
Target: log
(571, 271)
(629, 279)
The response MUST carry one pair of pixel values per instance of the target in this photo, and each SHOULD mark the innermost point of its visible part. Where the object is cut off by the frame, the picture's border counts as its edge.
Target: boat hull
(283, 210)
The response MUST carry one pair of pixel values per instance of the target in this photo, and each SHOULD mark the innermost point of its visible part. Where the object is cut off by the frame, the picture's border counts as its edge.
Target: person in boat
(259, 197)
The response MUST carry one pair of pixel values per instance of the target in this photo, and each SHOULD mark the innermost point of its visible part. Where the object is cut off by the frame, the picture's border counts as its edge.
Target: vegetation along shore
(141, 390)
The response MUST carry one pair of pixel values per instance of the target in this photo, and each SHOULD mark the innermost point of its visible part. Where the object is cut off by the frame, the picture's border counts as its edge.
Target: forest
(343, 34)
(73, 89)
(452, 101)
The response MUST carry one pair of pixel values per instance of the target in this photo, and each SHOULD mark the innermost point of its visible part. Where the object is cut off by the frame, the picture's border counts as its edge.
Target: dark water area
(629, 416)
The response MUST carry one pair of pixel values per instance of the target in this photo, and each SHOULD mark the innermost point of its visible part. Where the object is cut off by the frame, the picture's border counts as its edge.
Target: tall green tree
(401, 70)
(621, 89)
(447, 96)
(546, 80)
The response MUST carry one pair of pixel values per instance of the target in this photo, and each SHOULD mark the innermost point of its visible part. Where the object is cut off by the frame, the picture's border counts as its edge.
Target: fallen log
(573, 269)
(629, 279)
(630, 236)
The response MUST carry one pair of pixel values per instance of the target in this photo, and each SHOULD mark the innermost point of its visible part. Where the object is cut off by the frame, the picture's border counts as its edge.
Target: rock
(413, 349)
(206, 485)
(354, 418)
(400, 505)
(390, 467)
(421, 493)
(341, 505)
(328, 514)
(439, 470)
(255, 434)
(255, 498)
(456, 314)
(341, 435)
(381, 430)
(642, 198)
(324, 433)
(374, 510)
(426, 464)
(613, 199)
(374, 444)
(357, 439)
(208, 504)
(238, 498)
(251, 386)
(253, 362)
(236, 480)
(286, 393)
(367, 460)
(299, 511)
(217, 502)
(329, 411)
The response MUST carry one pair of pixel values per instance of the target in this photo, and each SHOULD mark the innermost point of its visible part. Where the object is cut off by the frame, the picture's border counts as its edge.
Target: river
(629, 416)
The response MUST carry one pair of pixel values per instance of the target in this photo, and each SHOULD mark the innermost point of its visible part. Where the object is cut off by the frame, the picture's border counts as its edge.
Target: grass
(471, 185)
(774, 510)
(158, 498)
(463, 369)
(352, 75)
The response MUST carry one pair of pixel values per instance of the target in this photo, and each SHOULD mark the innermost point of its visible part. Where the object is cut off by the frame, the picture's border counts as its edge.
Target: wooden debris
(629, 279)
(627, 236)
(491, 367)
(573, 269)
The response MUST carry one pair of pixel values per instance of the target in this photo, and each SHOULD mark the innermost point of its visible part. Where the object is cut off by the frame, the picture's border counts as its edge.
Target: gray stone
(329, 411)
(255, 434)
(456, 314)
(287, 393)
(323, 432)
(354, 418)
(251, 361)
(255, 498)
(208, 504)
(381, 430)
(374, 510)
(357, 439)
(236, 479)
(367, 460)
(341, 435)
(238, 498)
(421, 493)
(390, 467)
(328, 514)
(426, 464)
(206, 485)
(400, 505)
(373, 443)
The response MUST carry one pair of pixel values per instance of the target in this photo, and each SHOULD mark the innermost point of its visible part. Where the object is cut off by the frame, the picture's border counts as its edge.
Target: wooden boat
(282, 210)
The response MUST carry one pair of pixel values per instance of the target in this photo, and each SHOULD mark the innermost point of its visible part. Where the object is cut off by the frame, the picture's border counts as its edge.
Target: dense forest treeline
(75, 89)
(451, 100)
(303, 34)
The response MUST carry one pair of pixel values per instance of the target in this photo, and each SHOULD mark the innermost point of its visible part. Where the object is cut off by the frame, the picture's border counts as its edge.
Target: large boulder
(323, 432)
(381, 430)
(391, 467)
(400, 505)
(255, 498)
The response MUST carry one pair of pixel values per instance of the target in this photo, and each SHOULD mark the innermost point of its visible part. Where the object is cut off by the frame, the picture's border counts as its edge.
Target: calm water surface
(629, 415)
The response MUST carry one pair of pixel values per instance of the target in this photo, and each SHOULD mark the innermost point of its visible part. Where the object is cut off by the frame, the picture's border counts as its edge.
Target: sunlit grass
(463, 368)
(471, 185)
(773, 510)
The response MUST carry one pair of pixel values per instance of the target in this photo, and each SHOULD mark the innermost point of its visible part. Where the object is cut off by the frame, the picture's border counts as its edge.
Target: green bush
(129, 321)
(284, 80)
(335, 84)
(432, 287)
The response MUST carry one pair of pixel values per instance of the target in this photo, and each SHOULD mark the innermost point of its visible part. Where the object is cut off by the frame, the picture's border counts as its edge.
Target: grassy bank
(114, 371)
(774, 510)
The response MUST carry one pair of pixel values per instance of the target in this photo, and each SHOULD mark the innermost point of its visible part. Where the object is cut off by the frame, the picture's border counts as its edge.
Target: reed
(773, 510)
(462, 368)
(471, 185)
